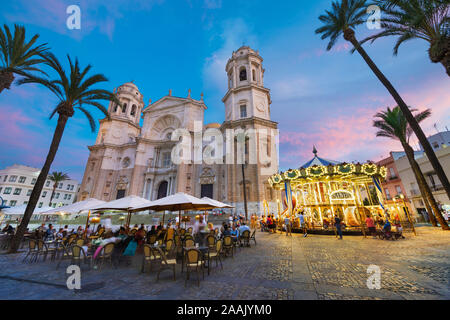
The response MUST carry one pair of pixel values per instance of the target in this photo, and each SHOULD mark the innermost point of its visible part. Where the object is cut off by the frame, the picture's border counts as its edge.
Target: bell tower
(246, 97)
(247, 109)
(123, 126)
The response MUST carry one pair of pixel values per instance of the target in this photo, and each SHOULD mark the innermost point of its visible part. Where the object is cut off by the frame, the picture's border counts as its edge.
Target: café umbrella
(123, 204)
(177, 202)
(216, 203)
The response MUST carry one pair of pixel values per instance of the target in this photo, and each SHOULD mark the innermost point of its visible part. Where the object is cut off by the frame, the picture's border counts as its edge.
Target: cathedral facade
(133, 159)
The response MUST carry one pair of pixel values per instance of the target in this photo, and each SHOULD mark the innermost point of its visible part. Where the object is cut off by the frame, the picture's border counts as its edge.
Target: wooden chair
(169, 248)
(166, 264)
(182, 232)
(189, 230)
(189, 243)
(245, 238)
(211, 241)
(150, 256)
(63, 252)
(42, 250)
(152, 239)
(79, 255)
(194, 262)
(106, 253)
(215, 254)
(31, 250)
(228, 245)
(79, 242)
(188, 237)
(253, 236)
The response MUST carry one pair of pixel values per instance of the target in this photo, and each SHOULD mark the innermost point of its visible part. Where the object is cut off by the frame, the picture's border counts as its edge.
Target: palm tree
(344, 17)
(73, 91)
(417, 19)
(17, 56)
(56, 177)
(392, 124)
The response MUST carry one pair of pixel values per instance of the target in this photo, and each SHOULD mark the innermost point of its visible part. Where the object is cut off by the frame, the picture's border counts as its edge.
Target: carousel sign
(341, 195)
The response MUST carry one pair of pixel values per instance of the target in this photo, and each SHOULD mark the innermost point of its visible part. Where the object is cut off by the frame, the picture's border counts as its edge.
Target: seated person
(387, 227)
(8, 229)
(243, 228)
(234, 231)
(226, 231)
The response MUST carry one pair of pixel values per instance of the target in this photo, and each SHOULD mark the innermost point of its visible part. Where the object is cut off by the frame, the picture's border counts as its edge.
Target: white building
(17, 182)
(409, 180)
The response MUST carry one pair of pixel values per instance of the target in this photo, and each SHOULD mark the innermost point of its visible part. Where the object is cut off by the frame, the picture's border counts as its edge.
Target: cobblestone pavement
(278, 267)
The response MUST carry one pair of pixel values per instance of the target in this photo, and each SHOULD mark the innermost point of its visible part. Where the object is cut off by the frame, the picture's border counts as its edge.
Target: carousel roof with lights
(317, 161)
(318, 169)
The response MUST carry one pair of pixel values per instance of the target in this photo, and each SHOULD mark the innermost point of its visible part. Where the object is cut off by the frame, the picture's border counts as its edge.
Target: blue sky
(322, 98)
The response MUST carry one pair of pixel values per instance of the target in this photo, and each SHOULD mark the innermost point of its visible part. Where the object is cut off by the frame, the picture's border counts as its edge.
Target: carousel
(321, 189)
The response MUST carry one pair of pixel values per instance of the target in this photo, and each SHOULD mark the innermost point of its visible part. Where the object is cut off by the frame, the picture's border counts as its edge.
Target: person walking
(287, 225)
(337, 224)
(303, 225)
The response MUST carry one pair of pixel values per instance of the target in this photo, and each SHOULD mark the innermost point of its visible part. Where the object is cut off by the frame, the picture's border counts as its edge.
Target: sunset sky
(319, 97)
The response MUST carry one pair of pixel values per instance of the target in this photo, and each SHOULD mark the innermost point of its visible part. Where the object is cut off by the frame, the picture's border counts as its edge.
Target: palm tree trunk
(6, 79)
(53, 191)
(35, 194)
(425, 189)
(349, 35)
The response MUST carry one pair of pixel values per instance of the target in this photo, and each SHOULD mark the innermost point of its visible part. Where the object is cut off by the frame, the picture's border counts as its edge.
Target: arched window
(124, 108)
(243, 74)
(115, 108)
(254, 74)
(162, 190)
(133, 110)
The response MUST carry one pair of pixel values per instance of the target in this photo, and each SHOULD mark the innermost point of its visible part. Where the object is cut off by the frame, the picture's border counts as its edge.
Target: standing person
(303, 225)
(287, 224)
(371, 225)
(337, 224)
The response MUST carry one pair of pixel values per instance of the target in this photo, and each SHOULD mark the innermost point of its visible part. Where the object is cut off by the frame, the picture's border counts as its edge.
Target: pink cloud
(349, 136)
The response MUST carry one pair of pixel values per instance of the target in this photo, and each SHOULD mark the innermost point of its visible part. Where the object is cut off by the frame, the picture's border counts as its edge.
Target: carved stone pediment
(207, 176)
(122, 183)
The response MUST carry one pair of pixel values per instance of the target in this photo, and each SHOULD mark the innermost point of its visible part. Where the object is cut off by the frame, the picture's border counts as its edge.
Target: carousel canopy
(320, 169)
(317, 161)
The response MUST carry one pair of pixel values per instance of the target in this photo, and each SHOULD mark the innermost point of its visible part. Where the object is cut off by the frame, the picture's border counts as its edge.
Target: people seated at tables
(243, 228)
(80, 231)
(8, 229)
(42, 228)
(60, 234)
(226, 231)
(152, 231)
(234, 231)
(49, 233)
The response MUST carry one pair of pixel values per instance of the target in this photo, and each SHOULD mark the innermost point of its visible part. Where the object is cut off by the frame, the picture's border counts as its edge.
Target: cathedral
(133, 159)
